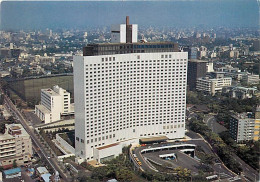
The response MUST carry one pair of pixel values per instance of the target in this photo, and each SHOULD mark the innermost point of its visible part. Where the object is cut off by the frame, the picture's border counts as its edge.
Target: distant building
(196, 69)
(54, 103)
(228, 68)
(44, 59)
(4, 73)
(15, 145)
(124, 33)
(250, 79)
(256, 45)
(202, 52)
(212, 85)
(9, 53)
(245, 126)
(240, 92)
(210, 67)
(234, 54)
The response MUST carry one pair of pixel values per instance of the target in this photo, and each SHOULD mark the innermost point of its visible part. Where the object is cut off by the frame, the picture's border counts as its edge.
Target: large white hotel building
(127, 91)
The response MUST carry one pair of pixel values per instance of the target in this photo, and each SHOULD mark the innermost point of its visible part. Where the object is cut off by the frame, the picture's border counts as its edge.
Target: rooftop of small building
(244, 115)
(42, 170)
(12, 171)
(15, 127)
(43, 109)
(50, 92)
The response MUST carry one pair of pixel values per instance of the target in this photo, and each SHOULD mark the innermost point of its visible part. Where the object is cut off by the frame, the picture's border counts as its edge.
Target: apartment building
(15, 145)
(244, 127)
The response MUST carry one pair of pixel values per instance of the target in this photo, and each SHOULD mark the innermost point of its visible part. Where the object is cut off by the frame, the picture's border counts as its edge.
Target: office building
(15, 145)
(196, 69)
(245, 126)
(54, 103)
(121, 97)
(212, 85)
(250, 78)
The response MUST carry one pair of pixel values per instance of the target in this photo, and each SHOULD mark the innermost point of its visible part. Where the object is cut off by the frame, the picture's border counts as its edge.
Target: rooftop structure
(124, 48)
(124, 33)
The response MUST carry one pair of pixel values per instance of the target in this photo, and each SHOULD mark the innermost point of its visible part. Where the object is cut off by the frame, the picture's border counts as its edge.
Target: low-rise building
(54, 103)
(212, 85)
(15, 145)
(250, 79)
(4, 73)
(240, 92)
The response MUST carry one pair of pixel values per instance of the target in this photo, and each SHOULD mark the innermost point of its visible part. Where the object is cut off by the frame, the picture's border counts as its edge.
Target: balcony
(8, 155)
(10, 150)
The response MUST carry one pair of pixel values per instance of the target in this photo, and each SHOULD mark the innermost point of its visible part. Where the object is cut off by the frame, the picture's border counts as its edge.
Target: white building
(250, 79)
(234, 54)
(124, 33)
(121, 98)
(209, 67)
(212, 86)
(54, 103)
(244, 127)
(118, 33)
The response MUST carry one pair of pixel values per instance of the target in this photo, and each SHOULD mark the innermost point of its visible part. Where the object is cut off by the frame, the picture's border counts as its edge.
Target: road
(52, 161)
(214, 125)
(249, 172)
(183, 160)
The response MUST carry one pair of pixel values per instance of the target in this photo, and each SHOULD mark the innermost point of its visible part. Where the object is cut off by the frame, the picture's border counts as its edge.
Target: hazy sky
(210, 13)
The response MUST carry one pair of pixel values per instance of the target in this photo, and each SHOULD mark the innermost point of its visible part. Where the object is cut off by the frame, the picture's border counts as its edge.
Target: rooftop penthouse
(125, 48)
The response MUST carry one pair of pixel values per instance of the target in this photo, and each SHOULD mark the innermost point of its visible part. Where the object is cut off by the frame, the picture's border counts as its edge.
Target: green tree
(14, 164)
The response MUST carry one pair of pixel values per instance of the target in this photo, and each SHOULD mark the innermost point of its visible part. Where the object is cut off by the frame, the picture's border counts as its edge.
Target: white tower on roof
(124, 33)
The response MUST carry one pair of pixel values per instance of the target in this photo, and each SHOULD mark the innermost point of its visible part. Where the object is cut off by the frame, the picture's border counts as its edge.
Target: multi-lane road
(35, 141)
(249, 173)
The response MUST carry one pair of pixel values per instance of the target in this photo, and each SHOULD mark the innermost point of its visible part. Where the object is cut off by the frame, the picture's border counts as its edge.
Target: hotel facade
(138, 91)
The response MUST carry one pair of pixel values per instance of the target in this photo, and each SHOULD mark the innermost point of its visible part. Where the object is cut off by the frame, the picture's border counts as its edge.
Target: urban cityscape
(120, 95)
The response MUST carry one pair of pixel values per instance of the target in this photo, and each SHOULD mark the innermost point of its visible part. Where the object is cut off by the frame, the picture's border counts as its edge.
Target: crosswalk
(224, 175)
(234, 178)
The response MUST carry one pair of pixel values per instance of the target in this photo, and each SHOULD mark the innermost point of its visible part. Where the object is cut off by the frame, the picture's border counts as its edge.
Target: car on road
(217, 161)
